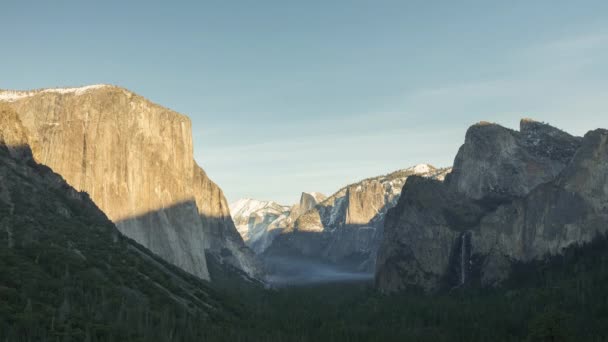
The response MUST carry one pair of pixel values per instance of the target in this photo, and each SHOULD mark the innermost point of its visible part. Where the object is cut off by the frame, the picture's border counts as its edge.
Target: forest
(562, 298)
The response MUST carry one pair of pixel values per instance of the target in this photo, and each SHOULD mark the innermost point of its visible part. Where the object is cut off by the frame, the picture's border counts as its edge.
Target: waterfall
(463, 258)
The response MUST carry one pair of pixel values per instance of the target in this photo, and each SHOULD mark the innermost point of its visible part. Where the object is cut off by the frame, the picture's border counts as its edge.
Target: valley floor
(562, 299)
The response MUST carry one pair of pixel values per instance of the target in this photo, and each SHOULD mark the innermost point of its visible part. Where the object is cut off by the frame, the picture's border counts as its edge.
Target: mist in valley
(299, 271)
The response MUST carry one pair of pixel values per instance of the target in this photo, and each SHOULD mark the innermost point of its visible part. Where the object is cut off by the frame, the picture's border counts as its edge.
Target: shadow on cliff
(190, 237)
(81, 202)
(148, 228)
(177, 233)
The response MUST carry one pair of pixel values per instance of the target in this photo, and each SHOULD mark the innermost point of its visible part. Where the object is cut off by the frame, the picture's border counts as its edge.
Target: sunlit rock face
(13, 136)
(363, 206)
(135, 159)
(345, 228)
(512, 196)
(54, 239)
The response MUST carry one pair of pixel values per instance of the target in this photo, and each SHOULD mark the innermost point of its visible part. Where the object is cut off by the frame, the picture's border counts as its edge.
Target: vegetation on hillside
(67, 274)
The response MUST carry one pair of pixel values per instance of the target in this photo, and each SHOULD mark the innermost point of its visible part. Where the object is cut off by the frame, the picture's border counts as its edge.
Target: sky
(291, 96)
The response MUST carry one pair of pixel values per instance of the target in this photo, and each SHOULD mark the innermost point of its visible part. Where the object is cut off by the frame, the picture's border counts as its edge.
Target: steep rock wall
(221, 237)
(512, 197)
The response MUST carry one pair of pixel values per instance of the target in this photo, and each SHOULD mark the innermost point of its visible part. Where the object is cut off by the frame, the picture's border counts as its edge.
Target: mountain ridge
(344, 230)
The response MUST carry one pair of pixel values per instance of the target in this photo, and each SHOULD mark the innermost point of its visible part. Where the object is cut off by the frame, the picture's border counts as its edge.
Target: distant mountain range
(343, 229)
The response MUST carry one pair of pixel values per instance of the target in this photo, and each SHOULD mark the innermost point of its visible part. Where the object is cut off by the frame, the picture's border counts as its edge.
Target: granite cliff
(135, 159)
(513, 196)
(68, 273)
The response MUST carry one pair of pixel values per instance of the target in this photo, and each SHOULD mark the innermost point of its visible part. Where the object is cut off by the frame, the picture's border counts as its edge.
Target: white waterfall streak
(463, 257)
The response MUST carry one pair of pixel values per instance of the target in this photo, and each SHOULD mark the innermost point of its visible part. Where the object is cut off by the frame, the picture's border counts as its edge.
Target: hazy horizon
(292, 97)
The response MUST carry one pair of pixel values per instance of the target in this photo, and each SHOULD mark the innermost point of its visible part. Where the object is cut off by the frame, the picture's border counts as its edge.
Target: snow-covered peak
(258, 222)
(421, 168)
(317, 196)
(245, 207)
(14, 95)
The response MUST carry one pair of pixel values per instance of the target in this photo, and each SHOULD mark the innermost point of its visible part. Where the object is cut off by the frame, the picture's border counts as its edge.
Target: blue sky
(291, 96)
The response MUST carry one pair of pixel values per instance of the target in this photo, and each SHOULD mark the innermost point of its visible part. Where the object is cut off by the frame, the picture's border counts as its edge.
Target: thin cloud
(549, 82)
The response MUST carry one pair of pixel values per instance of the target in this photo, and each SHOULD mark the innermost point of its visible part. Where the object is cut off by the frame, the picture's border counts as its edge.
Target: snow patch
(14, 95)
(258, 221)
(246, 207)
(421, 168)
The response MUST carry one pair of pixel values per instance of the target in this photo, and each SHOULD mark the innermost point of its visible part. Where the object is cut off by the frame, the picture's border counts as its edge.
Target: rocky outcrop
(308, 200)
(362, 206)
(345, 229)
(135, 159)
(496, 164)
(571, 209)
(512, 197)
